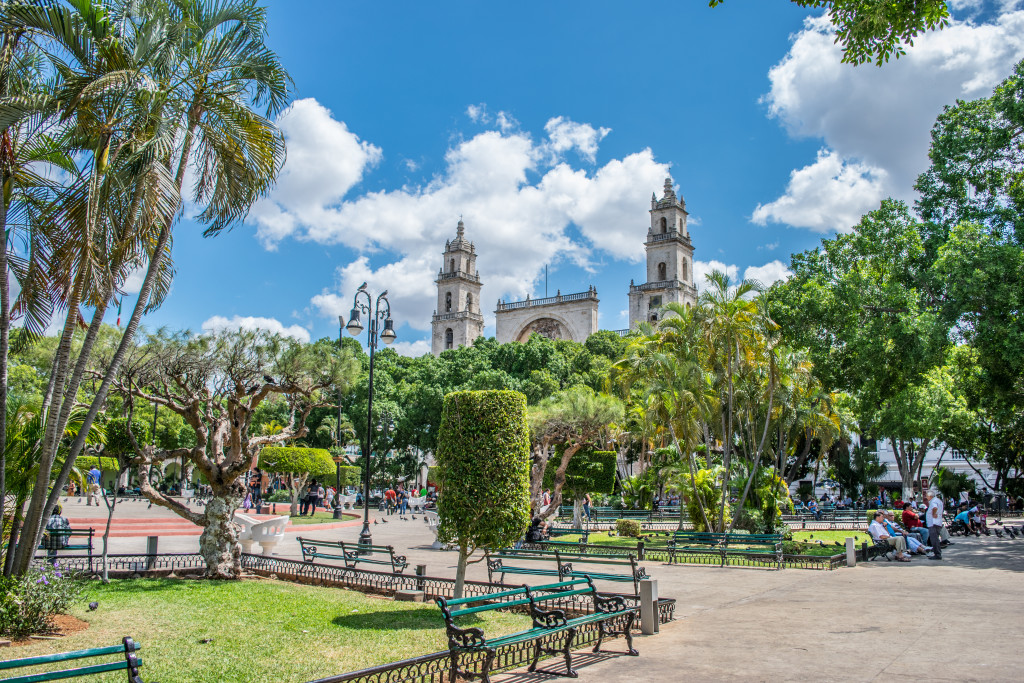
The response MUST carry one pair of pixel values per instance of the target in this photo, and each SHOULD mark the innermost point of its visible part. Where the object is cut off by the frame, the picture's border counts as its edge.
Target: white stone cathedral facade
(458, 321)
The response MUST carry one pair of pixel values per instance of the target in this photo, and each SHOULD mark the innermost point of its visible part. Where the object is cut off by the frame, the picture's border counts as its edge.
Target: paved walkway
(955, 620)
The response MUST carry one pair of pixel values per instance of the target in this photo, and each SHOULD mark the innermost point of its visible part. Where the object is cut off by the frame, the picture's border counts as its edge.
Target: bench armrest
(547, 618)
(609, 603)
(464, 637)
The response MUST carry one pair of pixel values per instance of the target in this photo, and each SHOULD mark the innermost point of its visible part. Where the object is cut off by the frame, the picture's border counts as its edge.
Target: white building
(457, 321)
(938, 455)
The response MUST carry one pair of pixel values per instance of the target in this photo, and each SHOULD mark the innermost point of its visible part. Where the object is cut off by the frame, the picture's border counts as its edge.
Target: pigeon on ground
(839, 544)
(374, 521)
(1010, 530)
(384, 521)
(93, 606)
(999, 534)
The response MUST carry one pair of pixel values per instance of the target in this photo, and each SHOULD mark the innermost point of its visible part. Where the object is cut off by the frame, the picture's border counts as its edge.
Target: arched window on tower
(684, 271)
(661, 272)
(451, 266)
(448, 302)
(449, 339)
(664, 225)
(469, 302)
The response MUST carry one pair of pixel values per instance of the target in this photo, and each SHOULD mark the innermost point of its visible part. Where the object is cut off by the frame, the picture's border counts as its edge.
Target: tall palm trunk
(142, 301)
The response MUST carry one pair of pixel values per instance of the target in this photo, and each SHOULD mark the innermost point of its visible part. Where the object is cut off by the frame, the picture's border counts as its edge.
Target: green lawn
(261, 630)
(321, 517)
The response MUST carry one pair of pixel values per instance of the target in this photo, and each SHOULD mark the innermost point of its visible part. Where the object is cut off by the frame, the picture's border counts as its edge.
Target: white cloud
(768, 273)
(516, 198)
(413, 349)
(876, 121)
(477, 113)
(218, 323)
(830, 194)
(701, 269)
(565, 135)
(325, 160)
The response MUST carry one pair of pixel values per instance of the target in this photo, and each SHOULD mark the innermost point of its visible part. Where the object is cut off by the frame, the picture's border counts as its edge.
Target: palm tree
(152, 89)
(728, 315)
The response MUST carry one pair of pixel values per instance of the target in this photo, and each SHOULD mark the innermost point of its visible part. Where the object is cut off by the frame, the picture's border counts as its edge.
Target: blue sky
(548, 126)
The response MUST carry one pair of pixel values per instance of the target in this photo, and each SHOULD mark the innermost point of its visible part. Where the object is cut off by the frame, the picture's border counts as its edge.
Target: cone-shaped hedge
(483, 467)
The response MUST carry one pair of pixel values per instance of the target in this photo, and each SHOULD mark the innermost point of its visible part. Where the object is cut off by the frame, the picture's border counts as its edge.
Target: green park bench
(130, 664)
(511, 561)
(56, 541)
(569, 531)
(352, 554)
(547, 624)
(726, 545)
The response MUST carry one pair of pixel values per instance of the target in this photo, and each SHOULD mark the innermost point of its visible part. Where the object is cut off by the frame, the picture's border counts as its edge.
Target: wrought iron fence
(129, 563)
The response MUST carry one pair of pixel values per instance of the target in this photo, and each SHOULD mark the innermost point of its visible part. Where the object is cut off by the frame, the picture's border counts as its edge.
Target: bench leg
(486, 671)
(565, 651)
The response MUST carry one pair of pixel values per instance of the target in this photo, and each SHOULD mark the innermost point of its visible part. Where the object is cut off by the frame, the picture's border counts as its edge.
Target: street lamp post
(340, 457)
(387, 335)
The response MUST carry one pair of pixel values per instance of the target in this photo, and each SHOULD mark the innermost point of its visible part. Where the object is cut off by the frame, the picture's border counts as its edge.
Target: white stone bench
(417, 503)
(269, 533)
(432, 520)
(350, 501)
(245, 536)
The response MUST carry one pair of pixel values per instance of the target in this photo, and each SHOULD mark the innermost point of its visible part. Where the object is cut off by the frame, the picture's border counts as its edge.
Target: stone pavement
(954, 620)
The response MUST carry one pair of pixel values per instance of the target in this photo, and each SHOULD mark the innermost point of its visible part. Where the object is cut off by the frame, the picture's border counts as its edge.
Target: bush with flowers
(28, 603)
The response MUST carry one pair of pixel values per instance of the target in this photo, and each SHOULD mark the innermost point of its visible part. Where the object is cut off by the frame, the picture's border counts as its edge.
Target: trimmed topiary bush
(627, 527)
(299, 464)
(85, 463)
(483, 467)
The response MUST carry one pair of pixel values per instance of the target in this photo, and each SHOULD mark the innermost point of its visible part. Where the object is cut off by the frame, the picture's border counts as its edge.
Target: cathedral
(458, 320)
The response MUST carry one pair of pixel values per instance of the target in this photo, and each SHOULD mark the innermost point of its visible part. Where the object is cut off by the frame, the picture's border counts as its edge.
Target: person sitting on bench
(879, 533)
(894, 529)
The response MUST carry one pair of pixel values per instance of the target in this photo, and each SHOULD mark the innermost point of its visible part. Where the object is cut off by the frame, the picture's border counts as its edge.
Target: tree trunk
(577, 512)
(219, 544)
(460, 572)
(106, 532)
(556, 493)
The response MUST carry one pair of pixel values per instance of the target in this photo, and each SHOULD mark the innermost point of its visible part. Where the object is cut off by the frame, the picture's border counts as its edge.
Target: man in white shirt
(933, 518)
(880, 533)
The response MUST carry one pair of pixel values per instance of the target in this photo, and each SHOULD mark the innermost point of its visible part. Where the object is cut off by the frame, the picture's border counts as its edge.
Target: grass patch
(263, 631)
(322, 517)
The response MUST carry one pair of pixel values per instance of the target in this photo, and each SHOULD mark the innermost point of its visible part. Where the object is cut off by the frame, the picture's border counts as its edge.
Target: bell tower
(457, 320)
(669, 260)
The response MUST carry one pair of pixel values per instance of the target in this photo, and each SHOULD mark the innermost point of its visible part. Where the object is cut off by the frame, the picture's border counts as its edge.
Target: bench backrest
(562, 589)
(130, 664)
(519, 596)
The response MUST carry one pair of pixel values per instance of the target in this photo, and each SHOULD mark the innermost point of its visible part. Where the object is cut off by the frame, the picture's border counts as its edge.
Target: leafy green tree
(483, 461)
(875, 30)
(299, 464)
(573, 419)
(589, 471)
(853, 468)
(216, 383)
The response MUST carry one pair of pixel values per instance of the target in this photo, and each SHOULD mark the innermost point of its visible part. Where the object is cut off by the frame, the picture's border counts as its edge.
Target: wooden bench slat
(488, 607)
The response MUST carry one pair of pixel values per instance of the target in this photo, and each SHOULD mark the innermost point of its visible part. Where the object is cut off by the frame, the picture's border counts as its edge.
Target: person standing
(586, 506)
(93, 482)
(933, 517)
